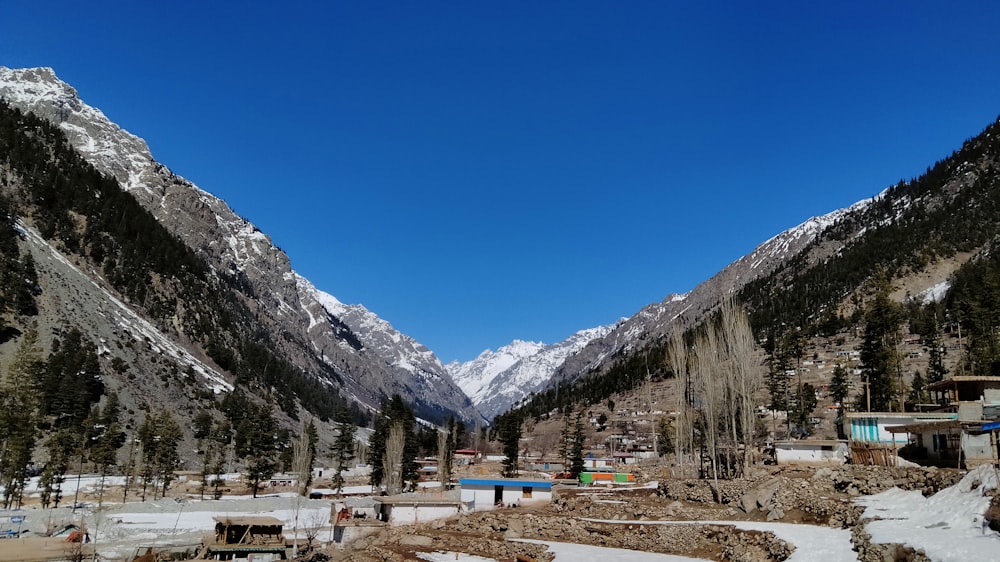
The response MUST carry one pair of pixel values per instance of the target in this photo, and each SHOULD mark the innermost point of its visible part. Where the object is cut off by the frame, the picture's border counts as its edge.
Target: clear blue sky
(476, 172)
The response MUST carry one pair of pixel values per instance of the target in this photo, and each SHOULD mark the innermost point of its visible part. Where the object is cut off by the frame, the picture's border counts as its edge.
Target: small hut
(247, 538)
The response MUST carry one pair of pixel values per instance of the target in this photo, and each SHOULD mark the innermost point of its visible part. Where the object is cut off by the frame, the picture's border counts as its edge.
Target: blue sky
(478, 172)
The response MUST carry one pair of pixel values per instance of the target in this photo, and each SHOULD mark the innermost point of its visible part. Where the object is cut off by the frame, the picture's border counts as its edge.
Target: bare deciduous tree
(444, 468)
(747, 375)
(301, 461)
(726, 378)
(392, 461)
(711, 390)
(677, 358)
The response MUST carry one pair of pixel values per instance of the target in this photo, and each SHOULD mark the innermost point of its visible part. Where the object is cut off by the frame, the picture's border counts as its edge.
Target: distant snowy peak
(495, 380)
(473, 377)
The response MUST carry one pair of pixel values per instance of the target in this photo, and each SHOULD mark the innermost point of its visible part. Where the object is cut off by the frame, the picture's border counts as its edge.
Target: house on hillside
(480, 494)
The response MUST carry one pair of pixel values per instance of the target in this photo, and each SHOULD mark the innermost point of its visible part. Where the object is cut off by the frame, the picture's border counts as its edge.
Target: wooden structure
(247, 538)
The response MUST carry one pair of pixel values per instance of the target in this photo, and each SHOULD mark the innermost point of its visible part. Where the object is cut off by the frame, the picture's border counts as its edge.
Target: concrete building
(480, 494)
(413, 509)
(811, 452)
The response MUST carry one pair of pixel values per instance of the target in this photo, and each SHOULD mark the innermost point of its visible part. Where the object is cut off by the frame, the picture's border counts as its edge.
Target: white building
(411, 510)
(479, 494)
(811, 452)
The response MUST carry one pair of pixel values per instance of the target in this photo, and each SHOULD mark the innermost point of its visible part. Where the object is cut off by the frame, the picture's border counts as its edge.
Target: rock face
(371, 359)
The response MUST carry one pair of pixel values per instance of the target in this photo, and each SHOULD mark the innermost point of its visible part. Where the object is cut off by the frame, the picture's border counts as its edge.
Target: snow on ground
(569, 552)
(811, 542)
(449, 556)
(947, 526)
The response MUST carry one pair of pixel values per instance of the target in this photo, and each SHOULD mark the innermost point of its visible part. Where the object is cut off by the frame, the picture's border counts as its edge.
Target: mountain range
(347, 350)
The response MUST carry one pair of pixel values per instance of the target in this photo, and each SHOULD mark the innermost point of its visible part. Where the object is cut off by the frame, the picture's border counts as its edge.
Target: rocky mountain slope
(313, 330)
(924, 235)
(657, 320)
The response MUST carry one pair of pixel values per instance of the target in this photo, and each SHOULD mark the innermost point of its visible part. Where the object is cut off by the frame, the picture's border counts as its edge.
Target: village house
(408, 509)
(811, 452)
(965, 439)
(871, 442)
(480, 494)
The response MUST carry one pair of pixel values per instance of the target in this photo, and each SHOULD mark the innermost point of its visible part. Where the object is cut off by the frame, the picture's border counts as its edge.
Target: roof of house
(417, 500)
(952, 381)
(917, 416)
(258, 520)
(512, 482)
(810, 442)
(924, 426)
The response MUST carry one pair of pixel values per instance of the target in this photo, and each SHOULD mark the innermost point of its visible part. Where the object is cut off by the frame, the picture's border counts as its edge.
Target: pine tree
(839, 390)
(255, 443)
(508, 427)
(936, 351)
(104, 437)
(18, 417)
(918, 392)
(564, 442)
(395, 410)
(664, 436)
(343, 447)
(805, 404)
(159, 436)
(879, 350)
(61, 446)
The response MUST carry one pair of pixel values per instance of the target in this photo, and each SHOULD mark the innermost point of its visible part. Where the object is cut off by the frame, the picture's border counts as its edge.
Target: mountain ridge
(235, 247)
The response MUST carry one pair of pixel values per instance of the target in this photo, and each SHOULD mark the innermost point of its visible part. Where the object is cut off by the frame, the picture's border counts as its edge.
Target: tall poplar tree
(576, 446)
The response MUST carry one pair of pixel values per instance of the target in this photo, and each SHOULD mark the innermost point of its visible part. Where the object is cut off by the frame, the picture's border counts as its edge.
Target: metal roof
(512, 482)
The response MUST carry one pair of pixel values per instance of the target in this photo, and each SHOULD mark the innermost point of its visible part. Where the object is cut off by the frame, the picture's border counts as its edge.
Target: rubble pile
(867, 480)
(394, 543)
(821, 497)
(613, 518)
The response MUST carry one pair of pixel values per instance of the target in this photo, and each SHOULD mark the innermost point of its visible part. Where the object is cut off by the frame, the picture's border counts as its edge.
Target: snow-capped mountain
(495, 380)
(371, 359)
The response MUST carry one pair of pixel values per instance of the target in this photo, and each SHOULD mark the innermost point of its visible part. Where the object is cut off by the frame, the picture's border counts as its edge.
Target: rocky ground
(585, 516)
